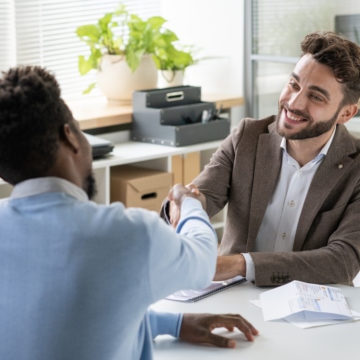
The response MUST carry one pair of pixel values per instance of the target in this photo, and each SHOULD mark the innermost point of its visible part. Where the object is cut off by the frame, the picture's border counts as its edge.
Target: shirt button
(291, 203)
(283, 235)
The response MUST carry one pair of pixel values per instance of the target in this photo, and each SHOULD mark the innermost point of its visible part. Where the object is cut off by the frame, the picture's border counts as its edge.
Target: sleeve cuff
(162, 323)
(250, 268)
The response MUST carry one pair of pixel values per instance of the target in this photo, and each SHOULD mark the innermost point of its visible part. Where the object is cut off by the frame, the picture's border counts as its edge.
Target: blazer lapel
(328, 174)
(265, 179)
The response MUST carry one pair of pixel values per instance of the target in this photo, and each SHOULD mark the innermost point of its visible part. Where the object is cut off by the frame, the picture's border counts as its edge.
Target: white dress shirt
(278, 227)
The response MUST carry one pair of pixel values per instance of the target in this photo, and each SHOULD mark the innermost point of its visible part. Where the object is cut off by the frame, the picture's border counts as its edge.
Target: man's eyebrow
(314, 87)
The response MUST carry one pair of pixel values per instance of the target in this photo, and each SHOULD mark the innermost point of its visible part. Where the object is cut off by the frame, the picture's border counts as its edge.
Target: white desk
(277, 340)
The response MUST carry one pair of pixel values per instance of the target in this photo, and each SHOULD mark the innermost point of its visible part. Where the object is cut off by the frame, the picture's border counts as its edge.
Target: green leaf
(89, 88)
(88, 33)
(84, 65)
(133, 59)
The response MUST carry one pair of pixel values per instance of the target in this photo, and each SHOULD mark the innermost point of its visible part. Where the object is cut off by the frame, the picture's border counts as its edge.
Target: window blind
(7, 45)
(42, 32)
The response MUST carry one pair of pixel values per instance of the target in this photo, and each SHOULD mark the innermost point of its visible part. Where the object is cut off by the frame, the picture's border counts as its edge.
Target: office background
(251, 45)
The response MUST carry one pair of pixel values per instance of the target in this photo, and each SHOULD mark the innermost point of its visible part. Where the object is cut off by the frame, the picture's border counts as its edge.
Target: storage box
(175, 116)
(167, 97)
(139, 187)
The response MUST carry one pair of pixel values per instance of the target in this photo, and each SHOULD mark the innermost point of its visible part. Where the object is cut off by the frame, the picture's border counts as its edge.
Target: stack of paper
(306, 304)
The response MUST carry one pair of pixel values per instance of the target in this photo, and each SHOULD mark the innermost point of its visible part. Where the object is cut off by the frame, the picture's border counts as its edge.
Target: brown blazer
(243, 174)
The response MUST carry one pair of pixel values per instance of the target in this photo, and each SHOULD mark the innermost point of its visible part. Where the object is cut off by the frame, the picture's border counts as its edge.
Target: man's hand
(230, 266)
(197, 328)
(176, 196)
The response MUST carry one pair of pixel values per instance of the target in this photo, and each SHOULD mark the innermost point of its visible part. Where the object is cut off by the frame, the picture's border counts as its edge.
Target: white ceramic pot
(168, 78)
(117, 82)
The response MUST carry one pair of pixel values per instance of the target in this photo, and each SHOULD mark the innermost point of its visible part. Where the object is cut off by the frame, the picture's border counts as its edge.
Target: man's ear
(348, 112)
(69, 138)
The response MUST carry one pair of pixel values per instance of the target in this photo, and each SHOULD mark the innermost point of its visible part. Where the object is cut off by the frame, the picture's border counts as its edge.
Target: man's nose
(297, 100)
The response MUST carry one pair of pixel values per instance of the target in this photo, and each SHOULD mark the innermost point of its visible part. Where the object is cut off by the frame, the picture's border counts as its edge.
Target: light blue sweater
(76, 278)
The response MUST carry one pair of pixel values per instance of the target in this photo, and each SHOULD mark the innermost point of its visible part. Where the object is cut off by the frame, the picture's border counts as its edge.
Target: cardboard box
(139, 187)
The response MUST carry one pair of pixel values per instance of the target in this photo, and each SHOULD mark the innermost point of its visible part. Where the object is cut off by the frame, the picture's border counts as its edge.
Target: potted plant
(172, 61)
(124, 45)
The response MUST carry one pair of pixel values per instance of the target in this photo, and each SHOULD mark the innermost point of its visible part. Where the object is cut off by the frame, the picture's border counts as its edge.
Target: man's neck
(305, 150)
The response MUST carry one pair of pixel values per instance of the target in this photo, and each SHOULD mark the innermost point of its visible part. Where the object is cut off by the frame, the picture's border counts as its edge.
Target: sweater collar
(42, 185)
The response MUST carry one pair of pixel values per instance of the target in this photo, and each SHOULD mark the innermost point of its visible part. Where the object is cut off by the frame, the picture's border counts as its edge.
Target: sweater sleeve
(163, 323)
(181, 259)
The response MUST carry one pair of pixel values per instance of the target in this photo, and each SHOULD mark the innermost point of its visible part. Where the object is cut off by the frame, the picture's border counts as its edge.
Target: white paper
(303, 302)
(356, 280)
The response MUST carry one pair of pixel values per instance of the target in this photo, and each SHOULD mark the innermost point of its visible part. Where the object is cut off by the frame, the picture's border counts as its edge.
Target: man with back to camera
(291, 182)
(76, 278)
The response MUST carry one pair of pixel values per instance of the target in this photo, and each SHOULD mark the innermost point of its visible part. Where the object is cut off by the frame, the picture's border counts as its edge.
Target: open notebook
(213, 288)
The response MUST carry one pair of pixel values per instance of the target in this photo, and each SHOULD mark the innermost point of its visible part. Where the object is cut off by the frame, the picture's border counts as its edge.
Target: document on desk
(215, 287)
(304, 302)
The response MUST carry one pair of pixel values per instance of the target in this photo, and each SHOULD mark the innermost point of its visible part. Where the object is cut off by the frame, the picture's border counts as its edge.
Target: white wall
(216, 27)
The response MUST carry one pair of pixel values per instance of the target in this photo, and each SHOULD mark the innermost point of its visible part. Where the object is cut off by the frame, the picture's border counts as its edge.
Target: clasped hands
(176, 196)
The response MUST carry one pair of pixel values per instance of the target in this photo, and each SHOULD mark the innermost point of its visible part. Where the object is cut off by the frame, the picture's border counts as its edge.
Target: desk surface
(277, 340)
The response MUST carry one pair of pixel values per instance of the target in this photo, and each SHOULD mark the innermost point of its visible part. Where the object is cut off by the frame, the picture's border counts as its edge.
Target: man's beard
(314, 130)
(90, 186)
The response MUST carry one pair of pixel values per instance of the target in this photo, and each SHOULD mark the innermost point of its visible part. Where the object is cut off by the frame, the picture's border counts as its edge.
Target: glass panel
(270, 78)
(280, 25)
(277, 28)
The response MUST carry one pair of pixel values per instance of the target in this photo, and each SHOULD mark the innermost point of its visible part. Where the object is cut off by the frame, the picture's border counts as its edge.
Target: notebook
(100, 147)
(213, 288)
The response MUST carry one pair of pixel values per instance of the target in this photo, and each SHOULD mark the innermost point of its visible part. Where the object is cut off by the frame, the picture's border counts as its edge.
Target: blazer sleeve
(215, 180)
(326, 257)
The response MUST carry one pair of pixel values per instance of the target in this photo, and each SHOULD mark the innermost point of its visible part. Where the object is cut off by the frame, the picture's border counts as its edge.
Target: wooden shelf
(98, 112)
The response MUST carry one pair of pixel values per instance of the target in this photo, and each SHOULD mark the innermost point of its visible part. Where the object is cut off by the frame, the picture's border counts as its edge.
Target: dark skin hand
(197, 329)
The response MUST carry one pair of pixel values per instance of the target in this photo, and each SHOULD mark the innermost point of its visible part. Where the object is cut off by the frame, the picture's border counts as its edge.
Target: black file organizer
(176, 116)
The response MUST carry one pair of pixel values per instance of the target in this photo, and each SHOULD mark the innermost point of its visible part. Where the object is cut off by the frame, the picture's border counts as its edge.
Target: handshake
(171, 207)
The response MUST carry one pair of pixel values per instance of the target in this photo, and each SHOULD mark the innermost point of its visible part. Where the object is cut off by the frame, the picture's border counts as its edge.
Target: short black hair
(32, 118)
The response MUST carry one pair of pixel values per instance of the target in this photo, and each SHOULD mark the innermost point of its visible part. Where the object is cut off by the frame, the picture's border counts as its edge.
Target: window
(7, 55)
(274, 30)
(42, 32)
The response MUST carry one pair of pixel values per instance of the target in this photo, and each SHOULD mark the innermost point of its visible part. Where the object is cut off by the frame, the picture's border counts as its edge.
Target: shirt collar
(322, 152)
(42, 185)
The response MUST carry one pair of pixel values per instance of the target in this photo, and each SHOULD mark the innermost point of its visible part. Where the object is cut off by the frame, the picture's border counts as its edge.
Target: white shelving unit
(146, 155)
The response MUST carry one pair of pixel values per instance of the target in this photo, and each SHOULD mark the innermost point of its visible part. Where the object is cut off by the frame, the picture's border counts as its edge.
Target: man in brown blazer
(291, 182)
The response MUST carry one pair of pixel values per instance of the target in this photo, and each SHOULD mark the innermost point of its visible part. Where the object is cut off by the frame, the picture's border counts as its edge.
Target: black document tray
(167, 97)
(180, 124)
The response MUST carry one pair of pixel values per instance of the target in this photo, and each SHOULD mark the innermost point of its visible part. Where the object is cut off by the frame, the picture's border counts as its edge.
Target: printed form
(304, 302)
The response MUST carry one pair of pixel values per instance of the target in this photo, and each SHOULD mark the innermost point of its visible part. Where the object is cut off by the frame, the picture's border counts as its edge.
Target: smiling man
(291, 182)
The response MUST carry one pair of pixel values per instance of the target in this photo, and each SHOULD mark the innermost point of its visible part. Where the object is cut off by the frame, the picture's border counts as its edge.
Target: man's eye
(316, 98)
(293, 84)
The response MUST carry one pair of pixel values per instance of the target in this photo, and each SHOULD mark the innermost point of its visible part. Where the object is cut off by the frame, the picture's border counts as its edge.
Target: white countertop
(277, 339)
